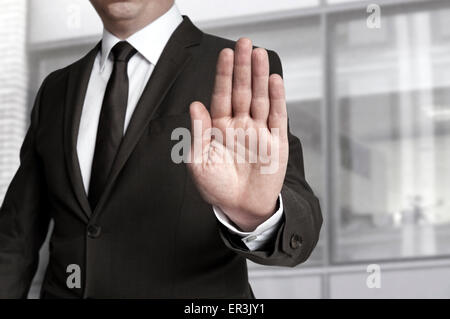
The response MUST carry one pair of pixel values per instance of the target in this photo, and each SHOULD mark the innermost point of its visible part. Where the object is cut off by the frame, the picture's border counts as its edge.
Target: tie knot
(123, 51)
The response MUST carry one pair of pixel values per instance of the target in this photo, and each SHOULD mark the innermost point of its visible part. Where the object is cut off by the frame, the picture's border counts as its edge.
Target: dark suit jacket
(151, 235)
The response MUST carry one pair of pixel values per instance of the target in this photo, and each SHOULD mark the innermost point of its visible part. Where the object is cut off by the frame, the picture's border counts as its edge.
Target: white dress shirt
(149, 43)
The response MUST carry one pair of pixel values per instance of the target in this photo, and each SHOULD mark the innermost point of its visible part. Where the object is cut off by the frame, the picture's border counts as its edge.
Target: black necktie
(111, 123)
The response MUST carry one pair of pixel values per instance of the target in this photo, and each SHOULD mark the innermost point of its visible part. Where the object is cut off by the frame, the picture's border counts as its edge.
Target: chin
(120, 9)
(123, 10)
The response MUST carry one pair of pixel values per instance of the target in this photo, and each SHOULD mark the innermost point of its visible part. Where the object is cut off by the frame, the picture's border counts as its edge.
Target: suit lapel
(78, 80)
(170, 65)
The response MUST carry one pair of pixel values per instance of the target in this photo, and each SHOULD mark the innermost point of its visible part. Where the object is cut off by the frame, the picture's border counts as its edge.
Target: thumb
(200, 123)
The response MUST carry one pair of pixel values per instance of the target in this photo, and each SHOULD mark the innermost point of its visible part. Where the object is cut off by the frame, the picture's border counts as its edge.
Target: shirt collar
(149, 41)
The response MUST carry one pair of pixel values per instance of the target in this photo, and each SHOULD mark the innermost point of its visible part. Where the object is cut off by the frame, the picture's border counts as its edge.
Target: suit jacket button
(94, 231)
(296, 241)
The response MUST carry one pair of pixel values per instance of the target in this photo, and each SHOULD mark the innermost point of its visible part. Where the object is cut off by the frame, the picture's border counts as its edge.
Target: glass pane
(343, 1)
(297, 41)
(13, 91)
(392, 167)
(347, 1)
(216, 11)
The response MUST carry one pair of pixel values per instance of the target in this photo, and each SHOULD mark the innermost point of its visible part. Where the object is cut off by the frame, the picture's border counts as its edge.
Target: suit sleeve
(302, 219)
(24, 218)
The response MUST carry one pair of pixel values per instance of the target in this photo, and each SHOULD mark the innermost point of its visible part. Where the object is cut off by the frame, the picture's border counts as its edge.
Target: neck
(123, 29)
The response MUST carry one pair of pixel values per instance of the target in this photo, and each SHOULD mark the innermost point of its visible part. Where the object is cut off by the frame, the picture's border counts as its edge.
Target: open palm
(239, 152)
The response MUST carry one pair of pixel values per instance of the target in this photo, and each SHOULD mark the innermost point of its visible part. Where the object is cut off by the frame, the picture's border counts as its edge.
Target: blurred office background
(371, 106)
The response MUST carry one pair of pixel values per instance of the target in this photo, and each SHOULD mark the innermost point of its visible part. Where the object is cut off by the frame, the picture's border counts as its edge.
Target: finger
(278, 111)
(260, 104)
(200, 123)
(223, 84)
(242, 78)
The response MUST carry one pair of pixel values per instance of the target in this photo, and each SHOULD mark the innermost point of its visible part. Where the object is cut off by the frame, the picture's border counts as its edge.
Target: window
(391, 135)
(372, 109)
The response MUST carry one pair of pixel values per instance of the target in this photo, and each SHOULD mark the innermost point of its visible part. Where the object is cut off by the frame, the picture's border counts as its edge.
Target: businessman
(98, 161)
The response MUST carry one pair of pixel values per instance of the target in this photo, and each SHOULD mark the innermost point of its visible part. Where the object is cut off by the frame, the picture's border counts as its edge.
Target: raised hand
(241, 174)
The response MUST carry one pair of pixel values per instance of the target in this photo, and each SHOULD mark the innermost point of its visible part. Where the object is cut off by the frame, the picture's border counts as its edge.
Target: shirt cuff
(261, 235)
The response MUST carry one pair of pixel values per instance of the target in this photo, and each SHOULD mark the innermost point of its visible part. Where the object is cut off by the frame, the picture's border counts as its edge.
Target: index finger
(221, 96)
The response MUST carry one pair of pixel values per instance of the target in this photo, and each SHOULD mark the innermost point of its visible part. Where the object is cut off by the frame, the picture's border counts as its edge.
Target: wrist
(248, 220)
